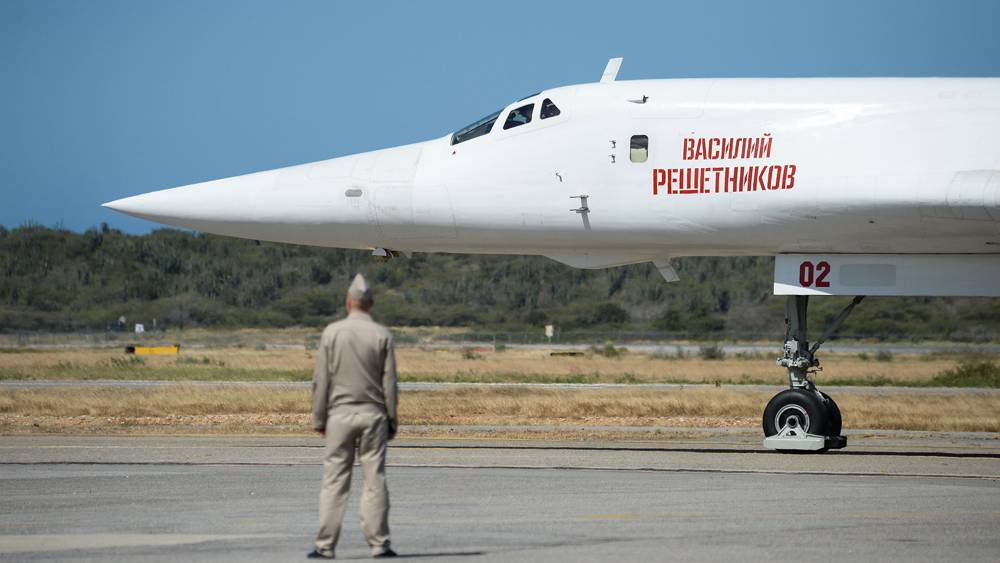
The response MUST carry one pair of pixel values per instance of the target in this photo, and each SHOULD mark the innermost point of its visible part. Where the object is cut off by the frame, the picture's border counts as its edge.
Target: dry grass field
(183, 408)
(461, 365)
(254, 409)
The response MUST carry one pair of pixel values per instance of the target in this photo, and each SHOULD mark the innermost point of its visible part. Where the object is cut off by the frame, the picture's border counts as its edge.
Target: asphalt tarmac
(717, 497)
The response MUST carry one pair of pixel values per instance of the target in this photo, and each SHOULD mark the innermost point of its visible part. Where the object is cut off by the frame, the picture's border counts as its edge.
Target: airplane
(857, 187)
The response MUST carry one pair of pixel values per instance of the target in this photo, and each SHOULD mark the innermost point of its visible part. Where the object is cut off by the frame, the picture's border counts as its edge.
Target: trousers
(364, 427)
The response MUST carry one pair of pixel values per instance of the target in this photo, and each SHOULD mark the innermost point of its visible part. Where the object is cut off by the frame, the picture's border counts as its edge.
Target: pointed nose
(326, 203)
(145, 206)
(283, 205)
(198, 205)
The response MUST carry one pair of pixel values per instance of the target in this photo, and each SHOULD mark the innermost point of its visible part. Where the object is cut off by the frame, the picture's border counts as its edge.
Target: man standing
(354, 404)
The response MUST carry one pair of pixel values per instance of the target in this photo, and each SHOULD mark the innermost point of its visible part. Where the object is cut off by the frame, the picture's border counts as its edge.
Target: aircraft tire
(834, 423)
(810, 411)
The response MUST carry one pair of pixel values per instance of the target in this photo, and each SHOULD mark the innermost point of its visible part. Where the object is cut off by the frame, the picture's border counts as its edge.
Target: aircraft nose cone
(349, 201)
(130, 205)
(156, 206)
(291, 204)
(239, 198)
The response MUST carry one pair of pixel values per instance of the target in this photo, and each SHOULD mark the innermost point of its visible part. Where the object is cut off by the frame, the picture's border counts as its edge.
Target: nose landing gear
(803, 418)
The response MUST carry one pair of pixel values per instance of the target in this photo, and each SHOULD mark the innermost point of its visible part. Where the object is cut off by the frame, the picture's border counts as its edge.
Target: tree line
(59, 280)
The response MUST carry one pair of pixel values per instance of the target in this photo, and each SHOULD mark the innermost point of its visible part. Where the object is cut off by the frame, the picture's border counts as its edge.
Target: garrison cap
(359, 289)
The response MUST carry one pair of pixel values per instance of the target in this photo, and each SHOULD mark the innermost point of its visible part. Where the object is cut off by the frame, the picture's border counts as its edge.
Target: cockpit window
(476, 129)
(549, 109)
(519, 116)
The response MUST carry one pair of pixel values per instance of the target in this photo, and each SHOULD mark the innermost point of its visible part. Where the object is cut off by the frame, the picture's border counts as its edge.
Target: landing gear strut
(803, 418)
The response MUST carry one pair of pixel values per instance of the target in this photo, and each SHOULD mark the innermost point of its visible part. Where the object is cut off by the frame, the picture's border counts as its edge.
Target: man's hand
(320, 431)
(393, 426)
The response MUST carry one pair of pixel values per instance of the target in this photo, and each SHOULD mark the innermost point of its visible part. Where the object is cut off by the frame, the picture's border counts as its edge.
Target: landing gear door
(956, 275)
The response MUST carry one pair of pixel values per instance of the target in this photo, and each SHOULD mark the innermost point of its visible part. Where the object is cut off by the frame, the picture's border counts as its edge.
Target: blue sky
(104, 99)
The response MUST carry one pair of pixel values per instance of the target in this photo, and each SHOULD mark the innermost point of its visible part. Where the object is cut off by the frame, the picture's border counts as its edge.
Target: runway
(899, 496)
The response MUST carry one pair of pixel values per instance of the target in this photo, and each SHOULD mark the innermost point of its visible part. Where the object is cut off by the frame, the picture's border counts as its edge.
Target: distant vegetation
(970, 373)
(57, 280)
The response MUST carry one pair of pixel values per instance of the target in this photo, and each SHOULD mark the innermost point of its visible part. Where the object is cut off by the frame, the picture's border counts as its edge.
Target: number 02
(814, 275)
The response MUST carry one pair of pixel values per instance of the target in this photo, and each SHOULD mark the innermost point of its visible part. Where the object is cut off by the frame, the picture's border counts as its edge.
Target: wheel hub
(794, 415)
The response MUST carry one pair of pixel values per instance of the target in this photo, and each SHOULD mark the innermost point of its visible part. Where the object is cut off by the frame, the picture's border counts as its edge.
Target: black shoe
(314, 554)
(387, 553)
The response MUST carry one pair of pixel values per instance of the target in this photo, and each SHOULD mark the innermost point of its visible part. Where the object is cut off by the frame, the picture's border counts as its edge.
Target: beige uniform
(354, 400)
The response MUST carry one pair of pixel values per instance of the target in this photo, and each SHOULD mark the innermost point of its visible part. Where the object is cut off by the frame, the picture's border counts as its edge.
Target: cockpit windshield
(476, 129)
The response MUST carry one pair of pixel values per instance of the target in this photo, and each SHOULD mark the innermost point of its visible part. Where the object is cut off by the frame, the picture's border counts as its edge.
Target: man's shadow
(450, 554)
(442, 554)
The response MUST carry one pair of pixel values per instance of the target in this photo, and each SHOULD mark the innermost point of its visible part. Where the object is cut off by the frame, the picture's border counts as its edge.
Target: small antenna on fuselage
(611, 71)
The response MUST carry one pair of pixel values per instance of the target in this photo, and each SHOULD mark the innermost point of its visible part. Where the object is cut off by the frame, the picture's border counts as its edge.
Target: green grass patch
(608, 351)
(204, 360)
(870, 381)
(122, 362)
(884, 356)
(713, 352)
(194, 372)
(970, 373)
(470, 354)
(501, 378)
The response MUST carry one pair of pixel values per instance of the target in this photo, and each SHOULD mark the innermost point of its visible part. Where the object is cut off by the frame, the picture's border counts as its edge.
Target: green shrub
(603, 314)
(713, 352)
(608, 351)
(970, 373)
(627, 378)
(664, 355)
(204, 361)
(125, 362)
(669, 321)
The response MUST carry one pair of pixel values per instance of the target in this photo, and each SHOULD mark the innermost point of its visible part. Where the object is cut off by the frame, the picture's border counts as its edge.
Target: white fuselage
(734, 167)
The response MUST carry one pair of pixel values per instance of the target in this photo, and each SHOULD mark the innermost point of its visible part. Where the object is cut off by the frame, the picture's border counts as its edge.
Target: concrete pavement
(917, 497)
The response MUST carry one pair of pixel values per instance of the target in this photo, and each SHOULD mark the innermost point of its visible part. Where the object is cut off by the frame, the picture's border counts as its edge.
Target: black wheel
(797, 406)
(834, 424)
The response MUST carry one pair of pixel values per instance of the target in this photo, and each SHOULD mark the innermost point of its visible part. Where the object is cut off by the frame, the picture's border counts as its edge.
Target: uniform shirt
(355, 363)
